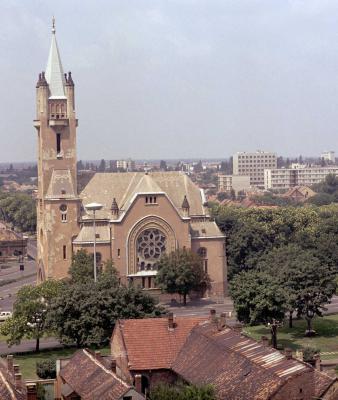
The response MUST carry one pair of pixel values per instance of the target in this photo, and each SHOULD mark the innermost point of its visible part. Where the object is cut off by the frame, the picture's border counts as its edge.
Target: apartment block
(284, 178)
(238, 183)
(253, 165)
(328, 156)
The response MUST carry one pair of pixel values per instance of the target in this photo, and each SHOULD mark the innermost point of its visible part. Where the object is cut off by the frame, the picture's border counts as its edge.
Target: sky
(176, 78)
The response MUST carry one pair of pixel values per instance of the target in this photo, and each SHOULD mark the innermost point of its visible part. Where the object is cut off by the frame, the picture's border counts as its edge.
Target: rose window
(150, 245)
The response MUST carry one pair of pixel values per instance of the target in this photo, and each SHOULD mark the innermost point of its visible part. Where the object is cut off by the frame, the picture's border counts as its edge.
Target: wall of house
(119, 354)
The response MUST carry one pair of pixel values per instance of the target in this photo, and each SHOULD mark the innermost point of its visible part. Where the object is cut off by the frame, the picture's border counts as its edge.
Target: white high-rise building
(328, 156)
(253, 165)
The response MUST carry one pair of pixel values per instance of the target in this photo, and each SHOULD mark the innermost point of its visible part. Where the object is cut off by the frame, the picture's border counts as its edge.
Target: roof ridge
(107, 371)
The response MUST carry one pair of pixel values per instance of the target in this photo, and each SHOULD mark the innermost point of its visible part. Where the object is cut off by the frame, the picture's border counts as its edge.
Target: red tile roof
(239, 367)
(150, 344)
(90, 377)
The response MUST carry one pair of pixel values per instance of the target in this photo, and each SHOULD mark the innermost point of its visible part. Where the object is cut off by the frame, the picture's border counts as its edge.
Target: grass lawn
(326, 339)
(28, 361)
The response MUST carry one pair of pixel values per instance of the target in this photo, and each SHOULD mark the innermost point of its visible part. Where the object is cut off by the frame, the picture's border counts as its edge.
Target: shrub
(46, 369)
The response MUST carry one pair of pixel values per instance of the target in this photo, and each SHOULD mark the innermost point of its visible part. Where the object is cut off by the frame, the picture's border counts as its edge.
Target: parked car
(5, 315)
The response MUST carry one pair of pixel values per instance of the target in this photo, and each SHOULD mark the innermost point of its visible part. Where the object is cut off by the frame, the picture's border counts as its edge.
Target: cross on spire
(53, 24)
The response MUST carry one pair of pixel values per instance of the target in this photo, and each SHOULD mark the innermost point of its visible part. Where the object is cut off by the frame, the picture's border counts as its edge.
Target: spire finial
(53, 24)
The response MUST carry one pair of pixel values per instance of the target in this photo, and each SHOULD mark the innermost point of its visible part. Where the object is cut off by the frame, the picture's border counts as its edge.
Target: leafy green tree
(181, 272)
(46, 369)
(85, 312)
(258, 297)
(19, 210)
(30, 311)
(182, 392)
(81, 268)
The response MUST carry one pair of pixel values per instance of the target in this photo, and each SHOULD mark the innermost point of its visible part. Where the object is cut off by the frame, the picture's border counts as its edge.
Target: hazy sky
(176, 78)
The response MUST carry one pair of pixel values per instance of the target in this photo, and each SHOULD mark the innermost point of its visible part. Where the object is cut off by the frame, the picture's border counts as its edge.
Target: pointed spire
(54, 71)
(185, 204)
(115, 208)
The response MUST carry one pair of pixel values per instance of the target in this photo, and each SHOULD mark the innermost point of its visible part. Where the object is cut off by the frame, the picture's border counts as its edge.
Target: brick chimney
(212, 315)
(97, 354)
(317, 359)
(16, 369)
(31, 391)
(288, 353)
(138, 383)
(265, 341)
(18, 380)
(222, 321)
(171, 324)
(10, 363)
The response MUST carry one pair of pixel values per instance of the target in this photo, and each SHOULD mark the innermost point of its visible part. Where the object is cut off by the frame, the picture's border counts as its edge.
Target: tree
(181, 272)
(258, 298)
(82, 267)
(30, 311)
(85, 312)
(46, 369)
(163, 165)
(102, 166)
(182, 392)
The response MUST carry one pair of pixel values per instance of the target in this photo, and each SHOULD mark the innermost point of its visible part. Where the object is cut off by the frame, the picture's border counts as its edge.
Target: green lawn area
(28, 361)
(326, 339)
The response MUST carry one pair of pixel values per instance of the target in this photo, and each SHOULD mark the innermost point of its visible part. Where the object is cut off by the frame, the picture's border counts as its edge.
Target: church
(143, 215)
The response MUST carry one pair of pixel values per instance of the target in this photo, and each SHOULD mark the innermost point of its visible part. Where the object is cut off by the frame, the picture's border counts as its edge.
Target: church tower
(58, 204)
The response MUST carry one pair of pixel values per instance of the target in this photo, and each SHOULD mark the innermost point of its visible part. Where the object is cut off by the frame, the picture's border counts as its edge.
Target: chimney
(18, 380)
(138, 383)
(171, 320)
(113, 366)
(97, 354)
(265, 341)
(10, 363)
(316, 357)
(16, 369)
(31, 391)
(212, 315)
(288, 353)
(222, 321)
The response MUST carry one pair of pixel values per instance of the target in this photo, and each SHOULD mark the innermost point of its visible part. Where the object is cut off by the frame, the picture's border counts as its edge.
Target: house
(299, 193)
(12, 387)
(87, 376)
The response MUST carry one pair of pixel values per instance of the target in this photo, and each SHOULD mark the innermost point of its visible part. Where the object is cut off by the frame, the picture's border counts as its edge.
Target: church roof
(124, 186)
(204, 229)
(54, 71)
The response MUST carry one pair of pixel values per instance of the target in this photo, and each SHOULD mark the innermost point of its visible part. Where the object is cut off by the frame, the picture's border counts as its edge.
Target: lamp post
(94, 207)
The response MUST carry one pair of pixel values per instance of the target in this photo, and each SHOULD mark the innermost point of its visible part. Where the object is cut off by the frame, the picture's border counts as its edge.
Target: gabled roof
(103, 187)
(204, 229)
(150, 344)
(54, 71)
(90, 377)
(239, 367)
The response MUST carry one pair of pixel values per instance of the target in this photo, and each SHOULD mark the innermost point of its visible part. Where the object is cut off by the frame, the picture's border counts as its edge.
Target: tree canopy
(181, 272)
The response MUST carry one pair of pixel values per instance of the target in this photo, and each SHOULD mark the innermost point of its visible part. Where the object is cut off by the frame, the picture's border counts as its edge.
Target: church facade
(143, 214)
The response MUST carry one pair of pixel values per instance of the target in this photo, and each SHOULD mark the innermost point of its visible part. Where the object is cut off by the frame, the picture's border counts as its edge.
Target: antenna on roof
(53, 25)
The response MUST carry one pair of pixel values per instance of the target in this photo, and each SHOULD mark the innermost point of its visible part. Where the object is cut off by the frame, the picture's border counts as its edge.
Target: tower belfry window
(58, 143)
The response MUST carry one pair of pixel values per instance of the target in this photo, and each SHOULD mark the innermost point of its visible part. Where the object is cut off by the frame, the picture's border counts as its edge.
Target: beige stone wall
(216, 262)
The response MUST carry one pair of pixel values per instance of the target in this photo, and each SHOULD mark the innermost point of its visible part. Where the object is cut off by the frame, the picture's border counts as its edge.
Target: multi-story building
(127, 165)
(253, 165)
(284, 178)
(238, 183)
(328, 156)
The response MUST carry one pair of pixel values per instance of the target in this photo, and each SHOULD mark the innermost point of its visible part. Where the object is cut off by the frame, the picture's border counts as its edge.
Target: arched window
(150, 245)
(202, 252)
(63, 211)
(98, 258)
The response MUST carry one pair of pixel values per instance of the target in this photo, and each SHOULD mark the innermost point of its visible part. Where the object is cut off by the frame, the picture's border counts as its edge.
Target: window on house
(149, 282)
(202, 252)
(64, 217)
(63, 210)
(98, 258)
(206, 266)
(143, 282)
(65, 252)
(58, 143)
(118, 252)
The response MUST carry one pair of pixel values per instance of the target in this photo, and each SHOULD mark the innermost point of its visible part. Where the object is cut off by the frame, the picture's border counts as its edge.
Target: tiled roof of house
(149, 342)
(237, 366)
(61, 185)
(8, 235)
(91, 378)
(8, 391)
(104, 187)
